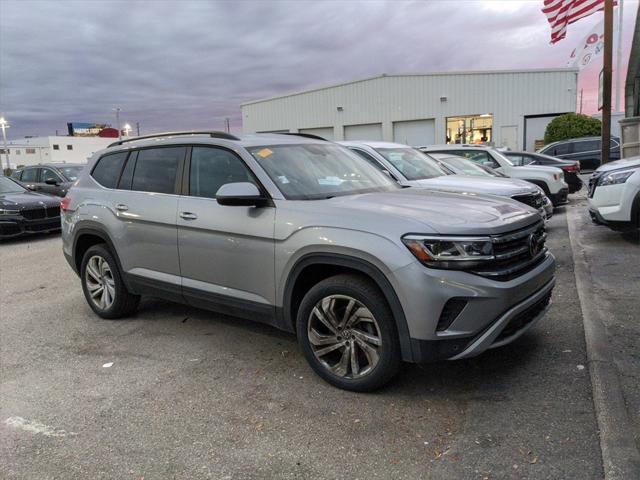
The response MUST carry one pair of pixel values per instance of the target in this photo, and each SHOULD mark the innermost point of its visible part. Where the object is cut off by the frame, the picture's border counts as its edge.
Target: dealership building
(503, 108)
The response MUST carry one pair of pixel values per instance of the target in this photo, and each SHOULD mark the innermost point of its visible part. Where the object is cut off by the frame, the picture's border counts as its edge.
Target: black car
(586, 150)
(571, 168)
(50, 178)
(23, 212)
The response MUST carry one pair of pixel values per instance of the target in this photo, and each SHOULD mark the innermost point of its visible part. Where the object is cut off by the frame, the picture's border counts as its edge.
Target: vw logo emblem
(534, 244)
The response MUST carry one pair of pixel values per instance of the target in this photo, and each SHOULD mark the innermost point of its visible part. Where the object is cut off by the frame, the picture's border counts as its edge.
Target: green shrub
(572, 125)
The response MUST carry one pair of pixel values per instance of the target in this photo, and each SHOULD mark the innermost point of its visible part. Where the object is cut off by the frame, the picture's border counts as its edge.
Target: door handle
(121, 207)
(188, 215)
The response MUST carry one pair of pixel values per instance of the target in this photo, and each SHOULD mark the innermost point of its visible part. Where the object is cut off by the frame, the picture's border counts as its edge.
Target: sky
(190, 64)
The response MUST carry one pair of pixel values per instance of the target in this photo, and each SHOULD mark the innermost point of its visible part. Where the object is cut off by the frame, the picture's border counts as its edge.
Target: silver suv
(305, 235)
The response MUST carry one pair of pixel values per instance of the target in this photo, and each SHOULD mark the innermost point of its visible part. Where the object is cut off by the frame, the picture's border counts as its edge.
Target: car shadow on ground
(30, 238)
(476, 378)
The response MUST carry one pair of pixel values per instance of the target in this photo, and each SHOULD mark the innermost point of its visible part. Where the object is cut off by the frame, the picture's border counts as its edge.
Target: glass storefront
(473, 129)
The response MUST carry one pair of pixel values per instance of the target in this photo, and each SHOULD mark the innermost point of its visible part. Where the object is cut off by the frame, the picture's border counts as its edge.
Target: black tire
(124, 303)
(368, 295)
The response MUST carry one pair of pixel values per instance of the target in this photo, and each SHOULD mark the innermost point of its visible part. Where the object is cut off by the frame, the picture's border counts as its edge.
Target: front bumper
(490, 307)
(560, 197)
(16, 225)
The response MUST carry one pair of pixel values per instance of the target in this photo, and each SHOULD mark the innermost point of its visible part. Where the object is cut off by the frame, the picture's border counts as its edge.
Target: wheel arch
(312, 268)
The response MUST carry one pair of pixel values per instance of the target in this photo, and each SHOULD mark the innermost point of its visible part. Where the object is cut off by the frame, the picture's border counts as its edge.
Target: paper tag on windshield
(265, 152)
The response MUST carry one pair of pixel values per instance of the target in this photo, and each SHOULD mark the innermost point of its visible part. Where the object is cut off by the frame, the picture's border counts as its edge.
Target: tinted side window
(30, 175)
(107, 170)
(586, 146)
(48, 173)
(479, 157)
(368, 158)
(213, 167)
(561, 149)
(17, 174)
(127, 174)
(156, 169)
(517, 160)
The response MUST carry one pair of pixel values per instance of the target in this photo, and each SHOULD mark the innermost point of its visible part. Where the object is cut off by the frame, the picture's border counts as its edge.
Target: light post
(4, 125)
(127, 129)
(117, 109)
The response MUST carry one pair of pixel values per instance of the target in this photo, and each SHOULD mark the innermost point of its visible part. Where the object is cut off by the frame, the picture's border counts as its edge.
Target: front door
(226, 252)
(49, 189)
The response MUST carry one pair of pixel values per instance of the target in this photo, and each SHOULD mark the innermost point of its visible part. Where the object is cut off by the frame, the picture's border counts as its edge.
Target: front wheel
(348, 334)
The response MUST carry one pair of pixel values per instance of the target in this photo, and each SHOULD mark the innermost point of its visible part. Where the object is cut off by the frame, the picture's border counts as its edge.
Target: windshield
(463, 166)
(315, 171)
(9, 186)
(414, 165)
(498, 154)
(71, 173)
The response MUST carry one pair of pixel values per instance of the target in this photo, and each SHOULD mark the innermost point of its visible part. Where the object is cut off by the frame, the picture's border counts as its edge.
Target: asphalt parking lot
(193, 395)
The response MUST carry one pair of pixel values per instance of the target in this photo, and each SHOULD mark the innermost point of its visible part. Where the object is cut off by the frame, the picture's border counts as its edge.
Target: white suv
(614, 194)
(550, 179)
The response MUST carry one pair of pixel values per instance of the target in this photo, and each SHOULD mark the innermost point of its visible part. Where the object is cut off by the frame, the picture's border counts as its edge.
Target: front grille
(49, 224)
(516, 253)
(524, 318)
(53, 212)
(532, 199)
(33, 213)
(9, 228)
(593, 183)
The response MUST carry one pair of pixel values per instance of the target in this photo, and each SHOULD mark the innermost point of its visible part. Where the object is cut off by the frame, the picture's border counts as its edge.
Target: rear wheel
(348, 334)
(102, 284)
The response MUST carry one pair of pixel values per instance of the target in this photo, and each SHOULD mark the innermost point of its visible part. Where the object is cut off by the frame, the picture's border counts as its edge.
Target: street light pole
(4, 125)
(117, 109)
(606, 81)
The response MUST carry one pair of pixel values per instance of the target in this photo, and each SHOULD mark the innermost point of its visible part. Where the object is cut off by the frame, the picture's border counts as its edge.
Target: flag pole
(606, 80)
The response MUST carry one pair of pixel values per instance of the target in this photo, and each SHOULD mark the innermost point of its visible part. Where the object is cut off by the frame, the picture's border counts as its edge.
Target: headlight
(8, 211)
(449, 252)
(615, 178)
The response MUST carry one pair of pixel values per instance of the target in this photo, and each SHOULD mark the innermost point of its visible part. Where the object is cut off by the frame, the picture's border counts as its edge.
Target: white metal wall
(369, 131)
(324, 132)
(507, 95)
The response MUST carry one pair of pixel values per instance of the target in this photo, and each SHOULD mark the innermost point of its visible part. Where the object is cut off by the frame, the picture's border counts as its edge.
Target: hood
(27, 199)
(619, 164)
(537, 169)
(426, 211)
(504, 187)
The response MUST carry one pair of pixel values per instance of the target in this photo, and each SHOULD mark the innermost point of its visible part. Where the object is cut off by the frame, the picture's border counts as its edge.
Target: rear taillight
(571, 168)
(64, 204)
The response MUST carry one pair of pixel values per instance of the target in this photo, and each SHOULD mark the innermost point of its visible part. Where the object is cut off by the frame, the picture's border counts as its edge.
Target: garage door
(324, 132)
(369, 131)
(535, 128)
(416, 133)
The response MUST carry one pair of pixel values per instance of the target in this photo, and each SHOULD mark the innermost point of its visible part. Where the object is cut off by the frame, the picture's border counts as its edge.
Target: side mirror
(240, 194)
(51, 181)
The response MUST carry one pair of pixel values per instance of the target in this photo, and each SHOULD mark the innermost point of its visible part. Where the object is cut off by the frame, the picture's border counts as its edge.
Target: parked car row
(351, 253)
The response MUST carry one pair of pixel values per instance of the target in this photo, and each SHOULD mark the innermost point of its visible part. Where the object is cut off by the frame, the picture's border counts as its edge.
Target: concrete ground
(613, 261)
(194, 395)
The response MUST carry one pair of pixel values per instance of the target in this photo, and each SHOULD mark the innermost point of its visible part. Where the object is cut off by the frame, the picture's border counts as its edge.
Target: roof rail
(211, 133)
(306, 135)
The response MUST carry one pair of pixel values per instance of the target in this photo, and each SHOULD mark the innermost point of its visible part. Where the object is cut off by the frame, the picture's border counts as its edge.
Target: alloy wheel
(344, 336)
(100, 283)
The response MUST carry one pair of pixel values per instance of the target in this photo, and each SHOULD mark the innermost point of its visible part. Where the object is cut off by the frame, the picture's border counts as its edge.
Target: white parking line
(35, 427)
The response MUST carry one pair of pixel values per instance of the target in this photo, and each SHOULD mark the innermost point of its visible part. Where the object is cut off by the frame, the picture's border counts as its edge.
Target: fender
(97, 230)
(359, 265)
(541, 183)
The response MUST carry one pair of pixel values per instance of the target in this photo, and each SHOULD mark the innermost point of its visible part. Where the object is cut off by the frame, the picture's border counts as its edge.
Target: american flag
(561, 13)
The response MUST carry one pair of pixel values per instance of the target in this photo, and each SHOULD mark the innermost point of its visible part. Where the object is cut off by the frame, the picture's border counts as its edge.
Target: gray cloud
(182, 65)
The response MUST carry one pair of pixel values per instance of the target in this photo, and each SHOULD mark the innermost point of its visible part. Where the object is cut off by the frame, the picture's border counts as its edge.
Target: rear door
(226, 252)
(587, 152)
(145, 203)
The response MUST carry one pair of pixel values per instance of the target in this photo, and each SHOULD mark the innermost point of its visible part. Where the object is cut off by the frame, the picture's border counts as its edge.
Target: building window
(474, 129)
(17, 152)
(69, 147)
(30, 151)
(56, 147)
(3, 151)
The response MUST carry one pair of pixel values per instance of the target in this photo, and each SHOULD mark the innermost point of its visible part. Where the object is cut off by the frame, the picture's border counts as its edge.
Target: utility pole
(138, 128)
(227, 125)
(606, 81)
(117, 109)
(4, 125)
(619, 93)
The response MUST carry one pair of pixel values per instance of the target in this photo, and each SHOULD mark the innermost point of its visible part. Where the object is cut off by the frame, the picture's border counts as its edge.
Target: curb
(620, 456)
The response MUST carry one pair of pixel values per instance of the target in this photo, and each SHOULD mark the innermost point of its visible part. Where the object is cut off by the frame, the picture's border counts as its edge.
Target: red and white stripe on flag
(561, 13)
